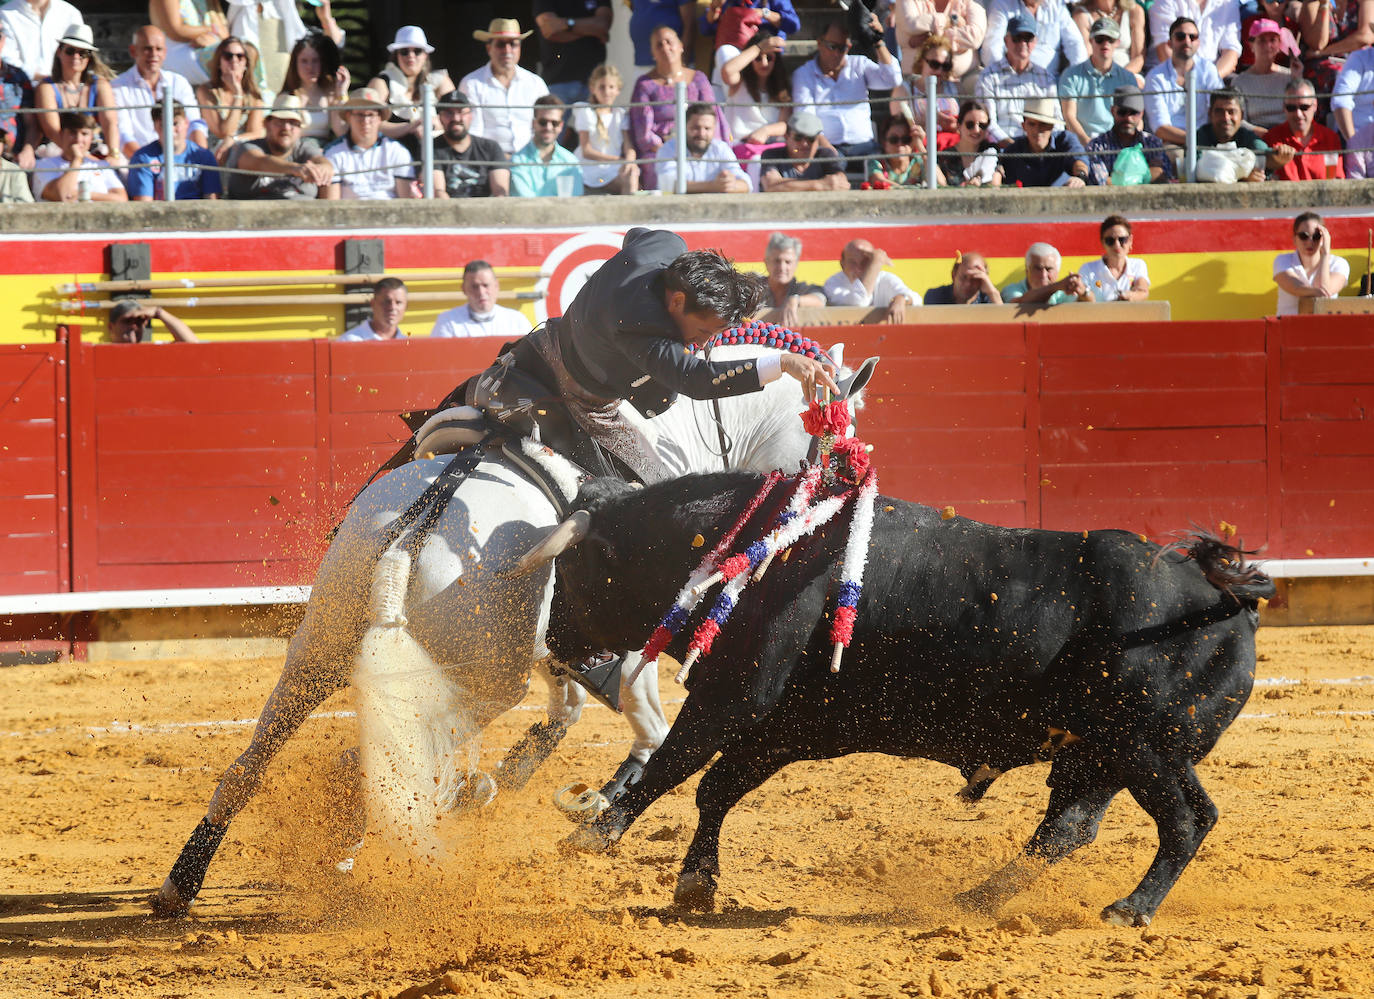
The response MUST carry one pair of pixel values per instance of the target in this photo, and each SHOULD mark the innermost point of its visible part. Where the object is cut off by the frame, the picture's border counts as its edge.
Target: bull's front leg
(1173, 796)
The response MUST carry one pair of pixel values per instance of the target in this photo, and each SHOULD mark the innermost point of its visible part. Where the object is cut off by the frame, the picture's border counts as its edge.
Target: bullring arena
(198, 481)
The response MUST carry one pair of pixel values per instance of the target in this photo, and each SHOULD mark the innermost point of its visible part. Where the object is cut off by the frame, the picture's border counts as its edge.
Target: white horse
(457, 606)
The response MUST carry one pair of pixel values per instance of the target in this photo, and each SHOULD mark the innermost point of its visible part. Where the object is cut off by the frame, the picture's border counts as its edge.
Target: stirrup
(599, 674)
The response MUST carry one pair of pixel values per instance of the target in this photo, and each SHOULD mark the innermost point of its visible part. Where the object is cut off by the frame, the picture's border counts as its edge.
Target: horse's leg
(566, 700)
(308, 678)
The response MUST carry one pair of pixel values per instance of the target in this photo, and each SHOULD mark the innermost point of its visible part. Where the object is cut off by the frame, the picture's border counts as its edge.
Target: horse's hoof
(1121, 914)
(695, 891)
(580, 803)
(168, 903)
(590, 838)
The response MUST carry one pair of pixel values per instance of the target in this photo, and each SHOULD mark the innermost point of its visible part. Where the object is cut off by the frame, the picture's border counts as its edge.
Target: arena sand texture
(838, 877)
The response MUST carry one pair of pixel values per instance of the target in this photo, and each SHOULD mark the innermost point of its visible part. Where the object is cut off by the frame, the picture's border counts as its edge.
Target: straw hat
(363, 99)
(288, 106)
(79, 36)
(501, 27)
(1042, 109)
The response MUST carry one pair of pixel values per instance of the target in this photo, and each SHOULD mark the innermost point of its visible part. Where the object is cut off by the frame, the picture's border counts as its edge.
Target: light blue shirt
(1055, 32)
(718, 156)
(1093, 92)
(531, 177)
(1003, 92)
(1357, 77)
(842, 104)
(1164, 103)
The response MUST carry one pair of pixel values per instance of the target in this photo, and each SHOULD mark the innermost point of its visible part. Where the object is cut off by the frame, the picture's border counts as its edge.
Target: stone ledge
(543, 213)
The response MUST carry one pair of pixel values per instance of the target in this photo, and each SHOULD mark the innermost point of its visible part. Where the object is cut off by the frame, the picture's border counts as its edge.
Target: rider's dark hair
(712, 285)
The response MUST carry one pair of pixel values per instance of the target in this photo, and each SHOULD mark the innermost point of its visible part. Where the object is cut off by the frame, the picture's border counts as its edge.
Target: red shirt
(1310, 163)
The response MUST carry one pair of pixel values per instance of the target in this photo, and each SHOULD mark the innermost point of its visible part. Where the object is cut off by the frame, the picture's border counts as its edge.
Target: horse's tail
(409, 718)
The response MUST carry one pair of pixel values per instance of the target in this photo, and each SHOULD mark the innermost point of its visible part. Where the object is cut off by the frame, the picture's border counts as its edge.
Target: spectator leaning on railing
(710, 164)
(74, 175)
(367, 164)
(1049, 156)
(196, 177)
(864, 280)
(1004, 85)
(817, 167)
(288, 165)
(34, 28)
(16, 91)
(1042, 284)
(572, 42)
(466, 165)
(1216, 21)
(1126, 154)
(1303, 148)
(785, 291)
(141, 86)
(1115, 276)
(543, 168)
(1085, 89)
(834, 86)
(503, 92)
(1312, 271)
(1059, 43)
(130, 318)
(1165, 100)
(481, 314)
(14, 182)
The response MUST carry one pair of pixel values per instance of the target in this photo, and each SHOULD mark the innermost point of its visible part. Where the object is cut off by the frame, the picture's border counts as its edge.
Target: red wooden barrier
(224, 464)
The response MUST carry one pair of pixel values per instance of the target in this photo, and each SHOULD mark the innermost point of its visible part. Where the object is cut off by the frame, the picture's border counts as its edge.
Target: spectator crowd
(1029, 93)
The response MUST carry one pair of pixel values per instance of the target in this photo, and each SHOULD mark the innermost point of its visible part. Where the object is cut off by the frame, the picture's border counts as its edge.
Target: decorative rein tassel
(855, 559)
(691, 593)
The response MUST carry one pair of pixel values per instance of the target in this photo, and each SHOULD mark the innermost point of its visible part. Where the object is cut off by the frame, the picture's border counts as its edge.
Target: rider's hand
(810, 373)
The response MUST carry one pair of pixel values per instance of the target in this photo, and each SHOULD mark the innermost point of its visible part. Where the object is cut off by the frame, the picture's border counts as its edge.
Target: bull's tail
(415, 750)
(1225, 567)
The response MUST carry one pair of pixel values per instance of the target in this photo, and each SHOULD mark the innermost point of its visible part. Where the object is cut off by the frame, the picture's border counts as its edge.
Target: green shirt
(1018, 288)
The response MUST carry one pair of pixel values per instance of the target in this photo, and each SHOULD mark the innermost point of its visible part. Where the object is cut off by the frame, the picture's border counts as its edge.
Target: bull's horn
(555, 543)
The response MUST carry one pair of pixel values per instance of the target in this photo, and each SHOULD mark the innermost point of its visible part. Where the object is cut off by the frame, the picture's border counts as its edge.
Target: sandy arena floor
(838, 878)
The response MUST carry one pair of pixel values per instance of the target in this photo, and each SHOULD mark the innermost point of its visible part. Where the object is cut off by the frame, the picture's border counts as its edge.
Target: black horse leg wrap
(188, 873)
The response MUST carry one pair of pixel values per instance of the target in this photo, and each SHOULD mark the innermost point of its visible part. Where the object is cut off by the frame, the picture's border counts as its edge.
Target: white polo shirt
(502, 322)
(30, 43)
(50, 168)
(369, 174)
(510, 127)
(842, 290)
(718, 156)
(364, 331)
(134, 98)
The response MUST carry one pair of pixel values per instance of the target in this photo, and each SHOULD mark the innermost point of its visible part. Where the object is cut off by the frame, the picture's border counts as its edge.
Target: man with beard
(1128, 113)
(542, 168)
(1046, 155)
(710, 165)
(466, 165)
(290, 167)
(1164, 85)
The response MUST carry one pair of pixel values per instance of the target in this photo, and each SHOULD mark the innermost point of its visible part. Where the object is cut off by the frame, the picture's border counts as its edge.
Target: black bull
(972, 645)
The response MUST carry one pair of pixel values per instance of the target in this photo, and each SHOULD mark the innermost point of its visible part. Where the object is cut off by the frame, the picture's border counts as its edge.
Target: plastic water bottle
(83, 190)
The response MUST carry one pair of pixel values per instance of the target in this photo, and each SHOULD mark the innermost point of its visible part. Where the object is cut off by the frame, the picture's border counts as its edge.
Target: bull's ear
(854, 384)
(555, 543)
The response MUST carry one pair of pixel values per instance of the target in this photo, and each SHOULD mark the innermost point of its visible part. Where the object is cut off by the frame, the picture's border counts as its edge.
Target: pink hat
(1268, 26)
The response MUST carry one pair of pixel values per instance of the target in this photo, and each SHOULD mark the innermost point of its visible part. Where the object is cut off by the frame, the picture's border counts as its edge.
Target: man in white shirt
(503, 93)
(141, 86)
(1056, 33)
(389, 300)
(1165, 108)
(33, 28)
(61, 178)
(710, 164)
(367, 165)
(481, 315)
(835, 85)
(862, 280)
(1218, 25)
(1352, 105)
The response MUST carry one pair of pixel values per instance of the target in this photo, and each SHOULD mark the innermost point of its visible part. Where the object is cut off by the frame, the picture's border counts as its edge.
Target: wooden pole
(279, 280)
(291, 301)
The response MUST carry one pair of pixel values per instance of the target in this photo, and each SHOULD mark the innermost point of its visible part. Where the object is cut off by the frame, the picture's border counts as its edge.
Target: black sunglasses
(838, 46)
(973, 126)
(67, 50)
(1307, 237)
(1297, 107)
(945, 67)
(1183, 36)
(1116, 240)
(1121, 112)
(903, 138)
(410, 52)
(234, 55)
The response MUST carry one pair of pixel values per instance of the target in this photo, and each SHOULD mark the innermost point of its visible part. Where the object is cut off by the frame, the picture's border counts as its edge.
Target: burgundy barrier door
(33, 468)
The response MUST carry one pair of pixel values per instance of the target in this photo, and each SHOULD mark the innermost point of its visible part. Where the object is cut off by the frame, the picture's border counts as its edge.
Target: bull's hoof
(695, 891)
(1121, 914)
(592, 838)
(168, 903)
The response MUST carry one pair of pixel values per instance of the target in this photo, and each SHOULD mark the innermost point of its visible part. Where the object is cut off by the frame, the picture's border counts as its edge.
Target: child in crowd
(602, 137)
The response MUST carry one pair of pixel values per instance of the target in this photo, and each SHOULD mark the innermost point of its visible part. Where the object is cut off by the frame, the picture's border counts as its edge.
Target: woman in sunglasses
(968, 158)
(902, 163)
(1313, 271)
(934, 59)
(194, 28)
(758, 100)
(231, 103)
(963, 23)
(403, 80)
(80, 81)
(1115, 276)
